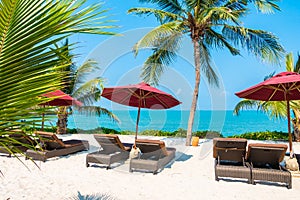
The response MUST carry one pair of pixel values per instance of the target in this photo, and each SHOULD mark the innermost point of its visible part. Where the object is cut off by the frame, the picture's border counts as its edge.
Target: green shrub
(263, 135)
(180, 132)
(127, 133)
(207, 134)
(156, 133)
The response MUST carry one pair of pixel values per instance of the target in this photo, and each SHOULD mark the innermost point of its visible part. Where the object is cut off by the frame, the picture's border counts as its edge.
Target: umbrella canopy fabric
(140, 95)
(60, 99)
(281, 87)
(284, 86)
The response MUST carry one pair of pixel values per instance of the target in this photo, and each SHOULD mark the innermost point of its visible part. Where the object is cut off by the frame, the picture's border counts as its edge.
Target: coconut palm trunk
(62, 121)
(196, 92)
(296, 125)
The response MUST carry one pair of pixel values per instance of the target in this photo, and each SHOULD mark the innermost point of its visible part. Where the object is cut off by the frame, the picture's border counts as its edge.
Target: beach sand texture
(190, 176)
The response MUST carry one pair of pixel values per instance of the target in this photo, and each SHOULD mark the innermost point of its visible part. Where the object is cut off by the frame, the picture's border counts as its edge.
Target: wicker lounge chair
(52, 146)
(155, 155)
(265, 163)
(19, 143)
(111, 151)
(229, 154)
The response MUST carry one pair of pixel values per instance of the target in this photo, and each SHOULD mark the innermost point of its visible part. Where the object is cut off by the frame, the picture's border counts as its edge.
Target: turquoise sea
(171, 120)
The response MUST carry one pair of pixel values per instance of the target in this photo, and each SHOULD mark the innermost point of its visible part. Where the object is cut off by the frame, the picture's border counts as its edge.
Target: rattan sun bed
(18, 141)
(265, 163)
(111, 150)
(229, 154)
(52, 146)
(155, 156)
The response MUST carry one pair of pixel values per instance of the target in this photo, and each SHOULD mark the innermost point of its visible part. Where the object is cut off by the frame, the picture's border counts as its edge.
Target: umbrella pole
(289, 127)
(137, 122)
(43, 119)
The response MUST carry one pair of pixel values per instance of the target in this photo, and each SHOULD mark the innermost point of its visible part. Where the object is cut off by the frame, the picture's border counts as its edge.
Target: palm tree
(211, 24)
(277, 109)
(28, 67)
(80, 84)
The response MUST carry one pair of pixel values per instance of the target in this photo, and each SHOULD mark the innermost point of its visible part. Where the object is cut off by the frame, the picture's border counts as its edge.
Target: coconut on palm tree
(28, 67)
(210, 24)
(277, 109)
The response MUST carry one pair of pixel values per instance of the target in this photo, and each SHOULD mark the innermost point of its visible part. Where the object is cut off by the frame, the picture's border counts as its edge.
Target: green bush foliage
(263, 135)
(207, 134)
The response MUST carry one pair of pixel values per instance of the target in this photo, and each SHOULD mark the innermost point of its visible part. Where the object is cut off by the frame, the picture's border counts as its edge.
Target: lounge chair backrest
(109, 142)
(152, 146)
(264, 155)
(22, 138)
(229, 149)
(50, 139)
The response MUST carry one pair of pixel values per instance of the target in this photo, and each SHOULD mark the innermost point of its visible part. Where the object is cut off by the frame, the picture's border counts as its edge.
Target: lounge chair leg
(130, 170)
(216, 178)
(108, 167)
(289, 186)
(155, 172)
(87, 164)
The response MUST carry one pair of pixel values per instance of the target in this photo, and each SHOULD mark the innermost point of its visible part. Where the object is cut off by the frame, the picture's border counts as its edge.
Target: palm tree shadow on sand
(97, 196)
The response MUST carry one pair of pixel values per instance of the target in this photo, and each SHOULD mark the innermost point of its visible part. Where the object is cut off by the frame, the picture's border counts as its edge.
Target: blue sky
(119, 67)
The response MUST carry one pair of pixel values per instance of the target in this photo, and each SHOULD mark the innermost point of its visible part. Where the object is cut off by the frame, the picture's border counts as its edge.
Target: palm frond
(63, 53)
(274, 109)
(245, 104)
(289, 62)
(206, 67)
(201, 4)
(89, 92)
(160, 15)
(262, 44)
(88, 66)
(168, 5)
(164, 53)
(217, 40)
(217, 14)
(297, 65)
(86, 19)
(84, 71)
(163, 31)
(88, 110)
(269, 76)
(266, 6)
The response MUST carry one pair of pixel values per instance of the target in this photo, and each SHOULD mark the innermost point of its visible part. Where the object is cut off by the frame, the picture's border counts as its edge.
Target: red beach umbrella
(284, 86)
(141, 95)
(59, 98)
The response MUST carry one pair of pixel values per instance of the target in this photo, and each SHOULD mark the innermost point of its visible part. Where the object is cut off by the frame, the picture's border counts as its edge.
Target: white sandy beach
(190, 176)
